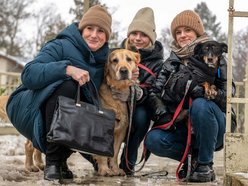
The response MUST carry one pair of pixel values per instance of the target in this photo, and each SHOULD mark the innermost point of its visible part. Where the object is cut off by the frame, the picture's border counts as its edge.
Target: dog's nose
(210, 59)
(124, 73)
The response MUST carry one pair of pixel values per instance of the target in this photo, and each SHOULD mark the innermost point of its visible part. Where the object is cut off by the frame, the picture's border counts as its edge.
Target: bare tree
(48, 25)
(210, 23)
(166, 39)
(12, 13)
(79, 8)
(240, 52)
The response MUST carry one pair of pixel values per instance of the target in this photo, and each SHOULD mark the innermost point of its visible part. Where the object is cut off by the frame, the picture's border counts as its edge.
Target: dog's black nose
(124, 73)
(210, 59)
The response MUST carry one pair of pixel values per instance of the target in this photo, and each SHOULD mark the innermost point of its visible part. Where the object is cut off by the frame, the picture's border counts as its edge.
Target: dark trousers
(208, 123)
(140, 126)
(55, 154)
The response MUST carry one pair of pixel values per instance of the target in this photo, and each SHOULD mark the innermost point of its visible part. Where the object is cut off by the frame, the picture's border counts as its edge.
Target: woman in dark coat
(142, 34)
(207, 116)
(76, 55)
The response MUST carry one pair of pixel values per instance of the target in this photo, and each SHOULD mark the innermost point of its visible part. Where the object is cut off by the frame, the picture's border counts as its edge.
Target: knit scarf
(188, 50)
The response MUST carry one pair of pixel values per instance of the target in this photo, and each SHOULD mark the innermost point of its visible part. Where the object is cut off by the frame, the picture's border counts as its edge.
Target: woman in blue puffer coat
(76, 55)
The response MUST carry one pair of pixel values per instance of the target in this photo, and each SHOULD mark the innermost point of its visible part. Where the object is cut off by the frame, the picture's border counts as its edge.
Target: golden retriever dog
(3, 102)
(32, 154)
(33, 160)
(118, 75)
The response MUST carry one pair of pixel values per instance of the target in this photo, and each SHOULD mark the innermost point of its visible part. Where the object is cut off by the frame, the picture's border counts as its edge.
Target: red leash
(146, 69)
(144, 85)
(166, 126)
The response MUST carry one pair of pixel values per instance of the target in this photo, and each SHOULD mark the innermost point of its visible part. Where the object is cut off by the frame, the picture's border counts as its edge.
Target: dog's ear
(111, 52)
(130, 46)
(224, 47)
(197, 50)
(137, 56)
(133, 48)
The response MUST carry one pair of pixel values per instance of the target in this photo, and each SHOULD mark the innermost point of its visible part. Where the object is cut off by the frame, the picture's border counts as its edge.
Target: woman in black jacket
(142, 35)
(207, 116)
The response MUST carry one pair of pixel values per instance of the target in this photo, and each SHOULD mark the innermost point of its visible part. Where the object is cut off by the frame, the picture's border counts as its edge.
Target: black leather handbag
(83, 127)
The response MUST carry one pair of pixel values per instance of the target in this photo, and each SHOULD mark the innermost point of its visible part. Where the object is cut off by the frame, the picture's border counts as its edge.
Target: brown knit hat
(189, 19)
(99, 16)
(143, 21)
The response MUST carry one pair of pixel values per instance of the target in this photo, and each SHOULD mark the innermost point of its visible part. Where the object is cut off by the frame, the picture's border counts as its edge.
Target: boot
(52, 172)
(128, 170)
(66, 173)
(184, 169)
(203, 173)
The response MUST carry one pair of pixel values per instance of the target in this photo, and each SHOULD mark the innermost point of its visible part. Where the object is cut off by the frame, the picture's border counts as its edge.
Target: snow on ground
(13, 173)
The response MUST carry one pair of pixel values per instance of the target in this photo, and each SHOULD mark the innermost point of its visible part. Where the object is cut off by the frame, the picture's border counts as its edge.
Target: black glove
(158, 107)
(197, 92)
(162, 119)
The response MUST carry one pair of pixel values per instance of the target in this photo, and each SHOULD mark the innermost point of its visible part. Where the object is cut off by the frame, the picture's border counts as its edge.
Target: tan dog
(118, 74)
(3, 102)
(32, 154)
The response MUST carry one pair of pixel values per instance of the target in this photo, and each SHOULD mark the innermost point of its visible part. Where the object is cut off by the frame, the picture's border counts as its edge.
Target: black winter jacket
(152, 59)
(163, 86)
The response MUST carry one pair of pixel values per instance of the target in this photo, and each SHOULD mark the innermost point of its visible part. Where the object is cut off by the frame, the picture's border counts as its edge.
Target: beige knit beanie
(99, 16)
(189, 19)
(144, 22)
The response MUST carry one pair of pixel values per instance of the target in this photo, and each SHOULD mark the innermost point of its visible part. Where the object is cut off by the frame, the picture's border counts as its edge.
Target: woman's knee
(199, 105)
(157, 140)
(141, 118)
(151, 139)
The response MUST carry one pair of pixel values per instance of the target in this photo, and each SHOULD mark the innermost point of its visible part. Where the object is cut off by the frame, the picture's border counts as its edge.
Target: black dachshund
(210, 53)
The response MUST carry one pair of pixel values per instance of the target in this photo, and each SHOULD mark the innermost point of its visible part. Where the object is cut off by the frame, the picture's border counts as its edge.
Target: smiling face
(94, 36)
(185, 36)
(139, 39)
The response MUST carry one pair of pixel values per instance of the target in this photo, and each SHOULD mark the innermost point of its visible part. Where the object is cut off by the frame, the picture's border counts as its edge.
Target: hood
(73, 35)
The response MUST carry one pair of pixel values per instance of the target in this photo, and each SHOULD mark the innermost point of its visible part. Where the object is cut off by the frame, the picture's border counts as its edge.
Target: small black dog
(210, 53)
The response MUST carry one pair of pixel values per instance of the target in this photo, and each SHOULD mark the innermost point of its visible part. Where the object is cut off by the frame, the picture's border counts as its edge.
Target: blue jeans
(209, 125)
(140, 125)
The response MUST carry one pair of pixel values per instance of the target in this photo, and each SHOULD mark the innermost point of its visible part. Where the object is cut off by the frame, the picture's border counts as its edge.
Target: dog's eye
(206, 48)
(128, 59)
(115, 60)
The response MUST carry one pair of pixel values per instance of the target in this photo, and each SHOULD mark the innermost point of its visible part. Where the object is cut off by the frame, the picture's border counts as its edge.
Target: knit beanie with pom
(99, 16)
(187, 18)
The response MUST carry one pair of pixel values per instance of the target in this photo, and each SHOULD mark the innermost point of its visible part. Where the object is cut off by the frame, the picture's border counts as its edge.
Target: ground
(12, 171)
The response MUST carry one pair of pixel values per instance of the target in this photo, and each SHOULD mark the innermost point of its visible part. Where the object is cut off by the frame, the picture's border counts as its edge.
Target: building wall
(8, 65)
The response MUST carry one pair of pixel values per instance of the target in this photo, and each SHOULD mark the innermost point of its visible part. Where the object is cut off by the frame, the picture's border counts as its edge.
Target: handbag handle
(93, 92)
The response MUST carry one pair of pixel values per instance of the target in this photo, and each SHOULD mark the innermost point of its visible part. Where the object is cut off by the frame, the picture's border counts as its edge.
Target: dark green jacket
(42, 76)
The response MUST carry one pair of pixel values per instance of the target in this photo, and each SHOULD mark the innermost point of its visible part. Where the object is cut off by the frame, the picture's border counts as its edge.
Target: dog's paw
(118, 172)
(40, 165)
(31, 168)
(210, 92)
(105, 172)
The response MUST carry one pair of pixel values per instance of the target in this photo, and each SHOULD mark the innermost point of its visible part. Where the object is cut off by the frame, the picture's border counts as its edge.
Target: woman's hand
(135, 74)
(78, 74)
